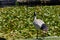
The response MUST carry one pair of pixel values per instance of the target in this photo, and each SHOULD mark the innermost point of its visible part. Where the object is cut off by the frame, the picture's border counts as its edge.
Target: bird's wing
(38, 23)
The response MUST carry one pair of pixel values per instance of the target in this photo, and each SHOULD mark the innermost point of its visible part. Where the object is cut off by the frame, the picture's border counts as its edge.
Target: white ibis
(39, 24)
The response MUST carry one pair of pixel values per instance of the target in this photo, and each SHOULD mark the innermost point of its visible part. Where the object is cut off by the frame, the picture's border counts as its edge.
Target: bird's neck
(34, 17)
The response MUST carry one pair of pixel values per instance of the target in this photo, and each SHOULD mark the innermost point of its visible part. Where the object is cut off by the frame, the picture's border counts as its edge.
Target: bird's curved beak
(34, 13)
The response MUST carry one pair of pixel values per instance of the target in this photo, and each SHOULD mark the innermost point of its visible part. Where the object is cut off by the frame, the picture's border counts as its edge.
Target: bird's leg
(37, 35)
(43, 35)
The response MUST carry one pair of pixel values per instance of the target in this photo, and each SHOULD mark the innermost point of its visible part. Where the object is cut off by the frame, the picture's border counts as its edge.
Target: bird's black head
(34, 13)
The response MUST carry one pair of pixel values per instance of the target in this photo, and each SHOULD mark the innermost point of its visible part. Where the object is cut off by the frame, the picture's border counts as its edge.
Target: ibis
(39, 24)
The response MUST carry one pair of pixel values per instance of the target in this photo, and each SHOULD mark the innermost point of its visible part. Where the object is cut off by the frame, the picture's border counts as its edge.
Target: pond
(7, 2)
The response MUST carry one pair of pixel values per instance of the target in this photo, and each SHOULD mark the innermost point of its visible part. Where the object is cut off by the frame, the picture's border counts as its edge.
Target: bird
(39, 24)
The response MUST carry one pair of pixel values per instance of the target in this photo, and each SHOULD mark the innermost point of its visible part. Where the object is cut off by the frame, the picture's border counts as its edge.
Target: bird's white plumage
(38, 23)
